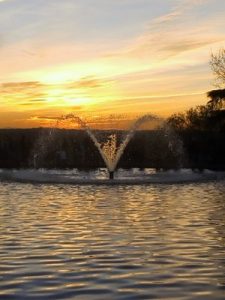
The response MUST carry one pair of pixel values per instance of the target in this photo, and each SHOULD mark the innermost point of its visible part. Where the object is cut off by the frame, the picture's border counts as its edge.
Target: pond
(149, 241)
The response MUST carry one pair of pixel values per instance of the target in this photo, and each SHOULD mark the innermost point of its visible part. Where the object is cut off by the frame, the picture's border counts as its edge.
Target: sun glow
(58, 76)
(150, 63)
(78, 101)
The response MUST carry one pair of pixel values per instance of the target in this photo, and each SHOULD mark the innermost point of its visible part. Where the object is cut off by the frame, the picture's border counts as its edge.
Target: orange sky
(128, 57)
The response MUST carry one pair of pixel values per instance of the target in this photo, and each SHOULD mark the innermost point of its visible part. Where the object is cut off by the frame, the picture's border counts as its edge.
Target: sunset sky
(101, 57)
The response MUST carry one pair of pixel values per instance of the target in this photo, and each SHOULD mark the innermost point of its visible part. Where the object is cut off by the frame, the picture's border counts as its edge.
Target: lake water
(153, 241)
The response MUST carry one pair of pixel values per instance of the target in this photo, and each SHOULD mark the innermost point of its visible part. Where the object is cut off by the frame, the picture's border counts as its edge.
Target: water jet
(110, 150)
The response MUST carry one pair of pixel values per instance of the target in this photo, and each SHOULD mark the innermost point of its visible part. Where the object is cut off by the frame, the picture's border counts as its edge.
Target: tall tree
(217, 97)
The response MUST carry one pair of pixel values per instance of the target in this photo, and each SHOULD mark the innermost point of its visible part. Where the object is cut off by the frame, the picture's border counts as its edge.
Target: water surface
(112, 242)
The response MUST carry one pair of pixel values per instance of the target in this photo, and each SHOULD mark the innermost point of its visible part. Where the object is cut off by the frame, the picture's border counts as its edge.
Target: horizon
(135, 57)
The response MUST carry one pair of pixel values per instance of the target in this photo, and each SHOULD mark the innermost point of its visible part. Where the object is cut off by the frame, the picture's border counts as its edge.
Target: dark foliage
(202, 118)
(217, 98)
(74, 149)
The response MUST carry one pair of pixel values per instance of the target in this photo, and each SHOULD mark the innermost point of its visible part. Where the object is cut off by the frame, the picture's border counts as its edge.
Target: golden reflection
(148, 235)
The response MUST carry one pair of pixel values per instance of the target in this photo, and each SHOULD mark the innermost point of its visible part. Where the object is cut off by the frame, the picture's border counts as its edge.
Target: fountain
(163, 155)
(110, 151)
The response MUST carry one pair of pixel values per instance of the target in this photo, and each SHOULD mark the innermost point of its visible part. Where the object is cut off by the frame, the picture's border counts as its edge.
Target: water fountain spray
(109, 151)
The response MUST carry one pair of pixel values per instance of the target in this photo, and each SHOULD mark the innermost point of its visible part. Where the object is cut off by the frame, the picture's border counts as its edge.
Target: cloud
(35, 94)
(178, 11)
(32, 101)
(23, 93)
(185, 28)
(45, 118)
(50, 117)
(11, 87)
(89, 82)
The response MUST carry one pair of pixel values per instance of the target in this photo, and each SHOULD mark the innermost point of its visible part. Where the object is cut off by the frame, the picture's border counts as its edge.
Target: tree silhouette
(196, 118)
(217, 98)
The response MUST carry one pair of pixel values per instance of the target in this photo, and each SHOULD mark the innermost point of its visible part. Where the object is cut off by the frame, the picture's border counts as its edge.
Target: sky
(105, 57)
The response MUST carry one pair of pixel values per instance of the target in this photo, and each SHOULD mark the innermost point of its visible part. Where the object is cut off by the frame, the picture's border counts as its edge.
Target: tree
(197, 118)
(177, 121)
(217, 97)
(212, 115)
(217, 64)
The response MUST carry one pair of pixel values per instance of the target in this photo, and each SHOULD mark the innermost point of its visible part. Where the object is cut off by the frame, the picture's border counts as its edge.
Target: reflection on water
(112, 242)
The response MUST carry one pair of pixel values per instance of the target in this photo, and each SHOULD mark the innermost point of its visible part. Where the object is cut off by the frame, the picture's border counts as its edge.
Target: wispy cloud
(182, 8)
(89, 82)
(22, 93)
(11, 87)
(32, 94)
(177, 32)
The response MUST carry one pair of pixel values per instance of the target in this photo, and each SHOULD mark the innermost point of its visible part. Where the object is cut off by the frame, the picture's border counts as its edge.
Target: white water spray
(109, 151)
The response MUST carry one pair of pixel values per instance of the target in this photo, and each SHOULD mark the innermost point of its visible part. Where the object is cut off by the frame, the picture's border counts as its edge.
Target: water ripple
(108, 242)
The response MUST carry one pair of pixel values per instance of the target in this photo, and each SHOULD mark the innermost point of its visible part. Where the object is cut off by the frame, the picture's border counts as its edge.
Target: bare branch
(217, 64)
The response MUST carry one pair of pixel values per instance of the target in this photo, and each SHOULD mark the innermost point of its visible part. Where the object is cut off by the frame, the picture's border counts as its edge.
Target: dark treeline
(27, 148)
